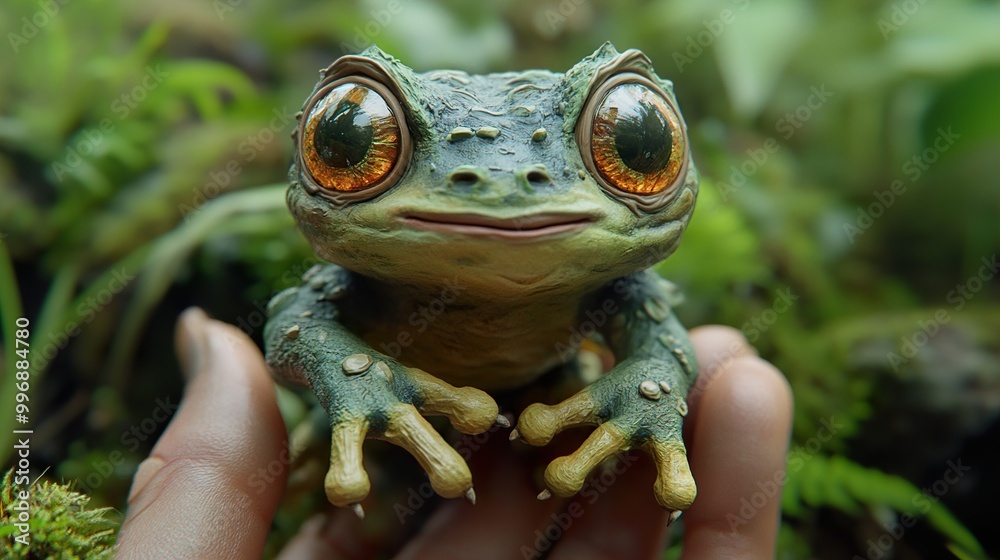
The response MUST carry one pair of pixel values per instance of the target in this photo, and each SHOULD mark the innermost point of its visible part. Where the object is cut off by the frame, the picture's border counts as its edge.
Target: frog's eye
(353, 137)
(636, 139)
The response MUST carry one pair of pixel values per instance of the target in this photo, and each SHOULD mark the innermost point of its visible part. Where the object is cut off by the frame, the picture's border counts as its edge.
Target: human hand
(192, 497)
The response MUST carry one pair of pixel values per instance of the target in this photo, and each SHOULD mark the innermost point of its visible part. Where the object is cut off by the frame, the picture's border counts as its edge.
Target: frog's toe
(539, 423)
(470, 410)
(565, 476)
(449, 475)
(674, 488)
(346, 480)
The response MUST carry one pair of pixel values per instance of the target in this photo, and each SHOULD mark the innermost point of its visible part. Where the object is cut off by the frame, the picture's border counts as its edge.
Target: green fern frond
(842, 484)
(60, 524)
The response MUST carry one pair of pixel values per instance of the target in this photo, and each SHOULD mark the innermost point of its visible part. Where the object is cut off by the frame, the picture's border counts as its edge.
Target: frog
(479, 230)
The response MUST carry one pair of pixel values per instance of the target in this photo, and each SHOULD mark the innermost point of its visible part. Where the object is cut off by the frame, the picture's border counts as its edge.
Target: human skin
(192, 497)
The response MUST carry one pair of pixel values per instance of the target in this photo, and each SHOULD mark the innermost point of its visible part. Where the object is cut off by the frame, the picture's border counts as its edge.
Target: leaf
(165, 257)
(840, 483)
(753, 51)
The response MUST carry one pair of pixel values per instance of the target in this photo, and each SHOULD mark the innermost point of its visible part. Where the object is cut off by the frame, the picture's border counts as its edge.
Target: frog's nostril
(538, 177)
(463, 178)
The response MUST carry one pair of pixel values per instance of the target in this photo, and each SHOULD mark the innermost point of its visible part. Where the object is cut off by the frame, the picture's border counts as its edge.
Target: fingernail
(191, 342)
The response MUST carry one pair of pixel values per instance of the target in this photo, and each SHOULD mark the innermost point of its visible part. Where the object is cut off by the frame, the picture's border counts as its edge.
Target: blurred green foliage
(848, 152)
(62, 525)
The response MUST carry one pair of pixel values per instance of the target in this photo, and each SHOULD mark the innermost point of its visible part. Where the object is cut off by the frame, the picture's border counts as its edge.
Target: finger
(309, 542)
(199, 494)
(616, 516)
(338, 535)
(506, 515)
(737, 451)
(716, 347)
(346, 481)
(449, 475)
(539, 423)
(470, 410)
(675, 488)
(566, 475)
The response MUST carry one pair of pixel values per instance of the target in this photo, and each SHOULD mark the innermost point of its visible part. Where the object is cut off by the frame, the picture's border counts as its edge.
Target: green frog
(482, 227)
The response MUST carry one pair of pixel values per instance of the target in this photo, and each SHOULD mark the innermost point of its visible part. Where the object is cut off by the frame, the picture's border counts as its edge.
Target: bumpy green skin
(653, 346)
(307, 344)
(482, 312)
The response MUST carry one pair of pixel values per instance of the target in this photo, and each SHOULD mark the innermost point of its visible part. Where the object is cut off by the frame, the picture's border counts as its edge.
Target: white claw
(502, 421)
(514, 434)
(470, 495)
(544, 494)
(674, 516)
(358, 510)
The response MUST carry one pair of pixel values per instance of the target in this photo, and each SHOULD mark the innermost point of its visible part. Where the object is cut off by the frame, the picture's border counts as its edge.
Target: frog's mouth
(528, 227)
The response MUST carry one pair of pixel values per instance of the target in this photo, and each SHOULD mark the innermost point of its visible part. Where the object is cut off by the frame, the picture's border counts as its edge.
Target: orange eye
(637, 141)
(352, 138)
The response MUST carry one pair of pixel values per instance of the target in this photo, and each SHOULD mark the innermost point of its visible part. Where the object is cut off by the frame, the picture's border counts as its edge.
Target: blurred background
(848, 221)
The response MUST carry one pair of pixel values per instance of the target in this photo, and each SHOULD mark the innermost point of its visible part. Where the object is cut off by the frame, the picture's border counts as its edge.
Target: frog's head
(513, 183)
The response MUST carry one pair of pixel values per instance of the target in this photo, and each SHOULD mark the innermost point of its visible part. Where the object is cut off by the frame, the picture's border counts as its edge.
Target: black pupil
(642, 134)
(344, 133)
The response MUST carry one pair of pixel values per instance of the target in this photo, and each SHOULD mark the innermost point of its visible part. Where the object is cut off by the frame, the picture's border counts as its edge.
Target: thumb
(200, 493)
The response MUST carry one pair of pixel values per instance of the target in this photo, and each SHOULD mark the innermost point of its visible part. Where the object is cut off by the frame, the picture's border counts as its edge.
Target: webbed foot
(376, 397)
(639, 403)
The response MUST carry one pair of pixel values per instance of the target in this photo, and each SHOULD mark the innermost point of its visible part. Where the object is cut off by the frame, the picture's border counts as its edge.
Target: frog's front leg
(639, 403)
(366, 393)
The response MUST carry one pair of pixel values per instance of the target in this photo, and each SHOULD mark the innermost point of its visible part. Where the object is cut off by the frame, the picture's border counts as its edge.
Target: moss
(61, 524)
